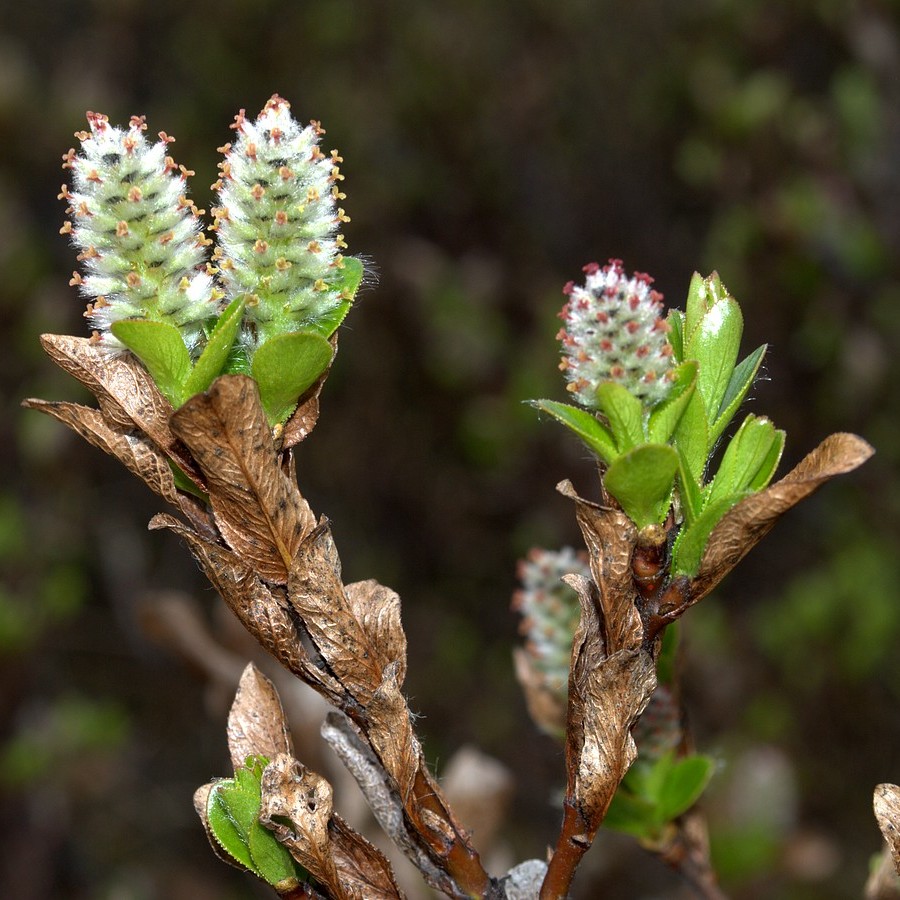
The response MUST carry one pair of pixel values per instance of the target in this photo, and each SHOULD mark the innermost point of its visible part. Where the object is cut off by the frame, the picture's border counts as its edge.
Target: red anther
(138, 123)
(632, 326)
(239, 120)
(591, 268)
(568, 287)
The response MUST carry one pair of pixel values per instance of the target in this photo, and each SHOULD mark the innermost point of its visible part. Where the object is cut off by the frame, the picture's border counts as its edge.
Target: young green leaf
(685, 781)
(769, 464)
(691, 541)
(752, 445)
(217, 350)
(594, 433)
(692, 437)
(631, 814)
(285, 366)
(160, 347)
(233, 815)
(675, 319)
(641, 481)
(698, 301)
(665, 416)
(714, 344)
(624, 413)
(688, 490)
(743, 375)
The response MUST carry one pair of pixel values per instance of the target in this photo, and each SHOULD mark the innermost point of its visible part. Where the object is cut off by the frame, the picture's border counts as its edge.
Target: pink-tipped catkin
(614, 331)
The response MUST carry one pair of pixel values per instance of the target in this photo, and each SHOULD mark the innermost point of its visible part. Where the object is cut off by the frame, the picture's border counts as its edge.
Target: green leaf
(715, 344)
(285, 366)
(624, 412)
(631, 814)
(692, 437)
(232, 812)
(160, 347)
(594, 433)
(676, 333)
(770, 463)
(695, 306)
(664, 418)
(688, 490)
(685, 781)
(641, 480)
(752, 445)
(217, 350)
(231, 809)
(743, 375)
(691, 541)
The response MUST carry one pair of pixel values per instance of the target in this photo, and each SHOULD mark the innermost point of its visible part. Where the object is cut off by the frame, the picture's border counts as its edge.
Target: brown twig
(573, 843)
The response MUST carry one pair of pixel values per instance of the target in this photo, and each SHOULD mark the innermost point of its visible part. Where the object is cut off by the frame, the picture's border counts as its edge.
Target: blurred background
(491, 149)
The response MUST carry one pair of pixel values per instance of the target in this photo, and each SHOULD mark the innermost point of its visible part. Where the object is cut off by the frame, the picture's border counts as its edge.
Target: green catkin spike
(614, 332)
(277, 223)
(141, 243)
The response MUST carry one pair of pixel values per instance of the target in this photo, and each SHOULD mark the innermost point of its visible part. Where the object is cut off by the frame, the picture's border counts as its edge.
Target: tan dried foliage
(138, 454)
(751, 520)
(316, 592)
(391, 734)
(127, 394)
(610, 537)
(260, 513)
(347, 865)
(607, 694)
(261, 609)
(256, 722)
(887, 812)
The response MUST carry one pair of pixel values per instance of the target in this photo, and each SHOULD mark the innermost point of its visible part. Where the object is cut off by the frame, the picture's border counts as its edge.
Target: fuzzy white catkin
(614, 332)
(140, 239)
(277, 223)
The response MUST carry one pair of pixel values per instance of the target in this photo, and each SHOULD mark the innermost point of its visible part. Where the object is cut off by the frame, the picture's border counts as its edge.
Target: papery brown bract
(260, 513)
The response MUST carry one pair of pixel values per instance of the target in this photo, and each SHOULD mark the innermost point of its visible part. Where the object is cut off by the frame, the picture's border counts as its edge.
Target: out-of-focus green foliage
(491, 149)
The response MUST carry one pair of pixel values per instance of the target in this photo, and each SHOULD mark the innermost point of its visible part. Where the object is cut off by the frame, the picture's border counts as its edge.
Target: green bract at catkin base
(140, 239)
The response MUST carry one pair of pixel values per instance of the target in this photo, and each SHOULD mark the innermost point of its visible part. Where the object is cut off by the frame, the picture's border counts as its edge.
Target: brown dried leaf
(610, 537)
(260, 513)
(391, 734)
(377, 609)
(344, 738)
(262, 611)
(317, 594)
(291, 791)
(256, 723)
(546, 708)
(362, 869)
(127, 394)
(607, 694)
(138, 454)
(887, 812)
(748, 523)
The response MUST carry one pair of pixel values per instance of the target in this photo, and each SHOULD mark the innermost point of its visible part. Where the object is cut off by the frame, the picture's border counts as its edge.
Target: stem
(575, 839)
(460, 860)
